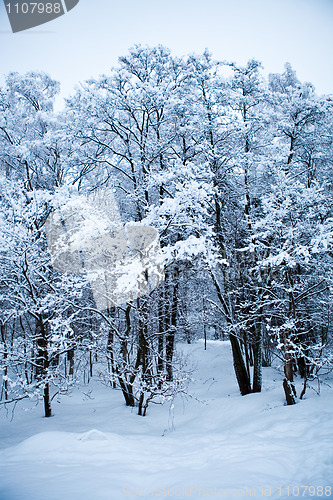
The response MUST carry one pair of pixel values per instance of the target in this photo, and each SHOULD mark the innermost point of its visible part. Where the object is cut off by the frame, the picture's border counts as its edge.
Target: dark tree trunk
(127, 390)
(70, 357)
(169, 348)
(161, 333)
(91, 364)
(242, 375)
(170, 338)
(143, 349)
(126, 385)
(4, 390)
(47, 401)
(288, 385)
(257, 350)
(289, 391)
(111, 314)
(43, 364)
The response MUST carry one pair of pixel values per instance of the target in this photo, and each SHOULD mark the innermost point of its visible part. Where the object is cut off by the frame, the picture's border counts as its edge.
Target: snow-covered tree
(171, 195)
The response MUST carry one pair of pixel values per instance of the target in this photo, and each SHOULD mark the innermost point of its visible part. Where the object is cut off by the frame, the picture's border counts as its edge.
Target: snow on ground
(216, 444)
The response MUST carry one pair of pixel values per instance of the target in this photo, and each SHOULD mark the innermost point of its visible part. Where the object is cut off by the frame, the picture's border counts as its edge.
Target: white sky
(88, 40)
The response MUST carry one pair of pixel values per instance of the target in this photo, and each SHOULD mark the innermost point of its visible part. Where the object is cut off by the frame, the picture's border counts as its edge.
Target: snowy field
(216, 444)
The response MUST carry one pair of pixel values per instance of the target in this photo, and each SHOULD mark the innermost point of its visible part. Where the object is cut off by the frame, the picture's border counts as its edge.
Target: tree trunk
(161, 333)
(290, 392)
(170, 338)
(43, 364)
(257, 367)
(143, 349)
(4, 389)
(126, 384)
(288, 385)
(91, 364)
(70, 357)
(169, 348)
(127, 390)
(47, 401)
(111, 313)
(242, 376)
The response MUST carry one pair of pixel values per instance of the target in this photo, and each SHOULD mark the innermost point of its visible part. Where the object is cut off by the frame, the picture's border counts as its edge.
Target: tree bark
(143, 350)
(170, 338)
(4, 389)
(288, 385)
(43, 364)
(242, 375)
(257, 350)
(161, 332)
(70, 357)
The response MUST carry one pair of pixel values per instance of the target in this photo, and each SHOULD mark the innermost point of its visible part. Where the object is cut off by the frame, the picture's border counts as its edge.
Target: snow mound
(93, 435)
(215, 444)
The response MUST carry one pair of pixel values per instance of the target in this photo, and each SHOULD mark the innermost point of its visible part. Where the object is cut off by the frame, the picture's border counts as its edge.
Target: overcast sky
(87, 41)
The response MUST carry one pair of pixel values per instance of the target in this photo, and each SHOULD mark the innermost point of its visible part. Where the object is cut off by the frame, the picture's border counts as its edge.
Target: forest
(169, 200)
